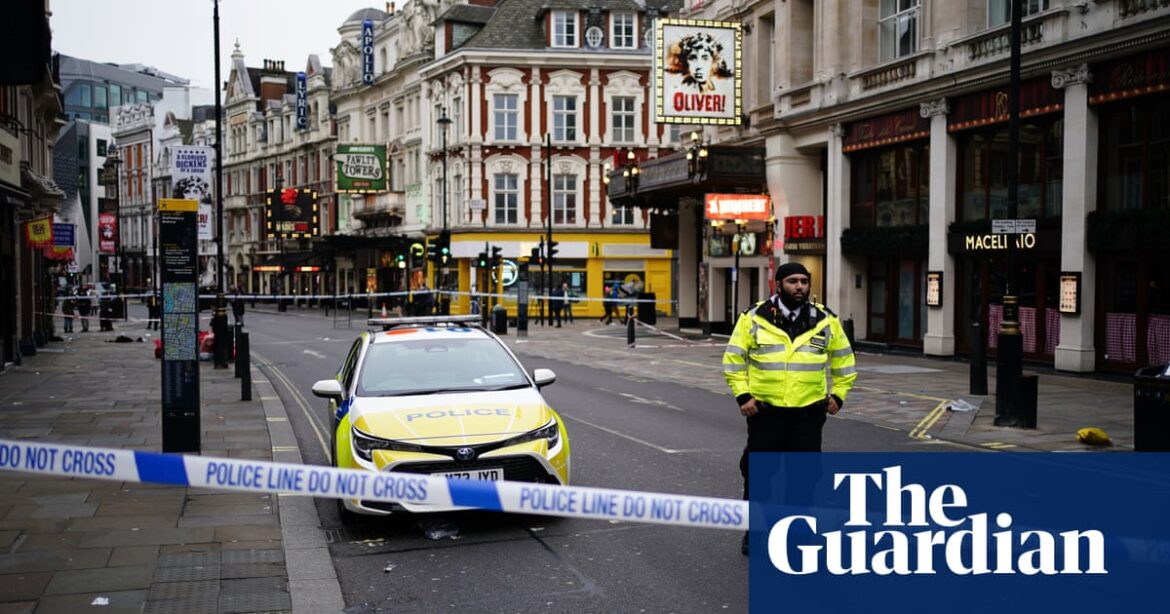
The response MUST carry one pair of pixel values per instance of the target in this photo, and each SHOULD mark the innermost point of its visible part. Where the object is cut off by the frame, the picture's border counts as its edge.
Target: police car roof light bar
(387, 323)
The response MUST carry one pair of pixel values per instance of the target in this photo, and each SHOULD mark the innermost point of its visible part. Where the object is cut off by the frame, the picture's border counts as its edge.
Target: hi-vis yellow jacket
(761, 360)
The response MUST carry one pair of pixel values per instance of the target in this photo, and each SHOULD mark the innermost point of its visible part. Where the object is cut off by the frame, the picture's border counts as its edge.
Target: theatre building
(883, 132)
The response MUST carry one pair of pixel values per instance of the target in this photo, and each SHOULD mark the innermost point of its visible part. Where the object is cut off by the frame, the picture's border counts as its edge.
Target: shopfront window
(983, 177)
(891, 186)
(1136, 155)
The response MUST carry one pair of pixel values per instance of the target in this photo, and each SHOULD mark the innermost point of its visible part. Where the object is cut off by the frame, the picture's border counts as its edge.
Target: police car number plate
(493, 474)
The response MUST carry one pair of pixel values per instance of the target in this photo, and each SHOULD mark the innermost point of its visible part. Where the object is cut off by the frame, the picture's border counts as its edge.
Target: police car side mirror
(329, 389)
(543, 377)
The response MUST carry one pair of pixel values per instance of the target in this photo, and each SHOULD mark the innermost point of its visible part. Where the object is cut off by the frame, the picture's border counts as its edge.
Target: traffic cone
(384, 314)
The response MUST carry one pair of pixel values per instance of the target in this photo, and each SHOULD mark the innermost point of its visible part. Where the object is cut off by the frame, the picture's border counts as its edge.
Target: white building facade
(885, 127)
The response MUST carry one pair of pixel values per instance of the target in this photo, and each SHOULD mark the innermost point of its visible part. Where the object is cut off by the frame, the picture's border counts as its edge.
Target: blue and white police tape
(389, 487)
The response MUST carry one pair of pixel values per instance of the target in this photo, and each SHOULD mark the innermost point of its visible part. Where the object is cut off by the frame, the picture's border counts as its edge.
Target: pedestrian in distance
(568, 294)
(556, 305)
(105, 313)
(84, 308)
(67, 308)
(238, 306)
(611, 304)
(152, 312)
(790, 366)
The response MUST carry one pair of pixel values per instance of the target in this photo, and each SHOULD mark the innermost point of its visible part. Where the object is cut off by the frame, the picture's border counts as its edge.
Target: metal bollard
(238, 330)
(244, 364)
(630, 326)
(978, 359)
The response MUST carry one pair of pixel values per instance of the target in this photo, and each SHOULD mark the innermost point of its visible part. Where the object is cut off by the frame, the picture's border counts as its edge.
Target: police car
(441, 396)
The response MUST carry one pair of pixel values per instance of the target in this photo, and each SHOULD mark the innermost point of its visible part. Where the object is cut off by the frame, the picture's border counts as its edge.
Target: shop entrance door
(896, 297)
(1036, 279)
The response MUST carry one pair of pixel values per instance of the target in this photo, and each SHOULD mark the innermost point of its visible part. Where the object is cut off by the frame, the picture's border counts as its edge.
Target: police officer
(775, 364)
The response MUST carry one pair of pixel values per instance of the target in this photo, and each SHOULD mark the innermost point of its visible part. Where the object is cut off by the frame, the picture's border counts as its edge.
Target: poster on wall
(697, 72)
(934, 288)
(191, 179)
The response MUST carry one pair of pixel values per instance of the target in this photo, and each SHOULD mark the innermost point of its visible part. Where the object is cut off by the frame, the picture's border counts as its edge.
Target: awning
(661, 182)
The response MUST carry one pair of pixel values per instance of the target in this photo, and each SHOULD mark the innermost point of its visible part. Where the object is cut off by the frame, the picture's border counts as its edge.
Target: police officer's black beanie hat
(791, 268)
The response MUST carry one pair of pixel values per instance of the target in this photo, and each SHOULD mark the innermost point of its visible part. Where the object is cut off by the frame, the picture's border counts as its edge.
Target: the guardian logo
(936, 534)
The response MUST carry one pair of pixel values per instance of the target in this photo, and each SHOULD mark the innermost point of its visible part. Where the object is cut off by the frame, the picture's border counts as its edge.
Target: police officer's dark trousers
(787, 429)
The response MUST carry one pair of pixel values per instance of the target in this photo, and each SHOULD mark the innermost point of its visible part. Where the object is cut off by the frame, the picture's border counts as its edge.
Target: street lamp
(444, 122)
(631, 172)
(697, 158)
(736, 245)
(279, 213)
(111, 178)
(219, 325)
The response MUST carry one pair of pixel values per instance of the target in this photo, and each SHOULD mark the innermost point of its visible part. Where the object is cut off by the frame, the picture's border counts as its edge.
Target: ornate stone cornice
(1078, 75)
(931, 108)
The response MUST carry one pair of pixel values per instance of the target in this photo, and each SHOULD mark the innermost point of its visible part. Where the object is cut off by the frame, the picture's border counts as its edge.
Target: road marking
(630, 437)
(995, 445)
(300, 400)
(314, 353)
(919, 431)
(659, 403)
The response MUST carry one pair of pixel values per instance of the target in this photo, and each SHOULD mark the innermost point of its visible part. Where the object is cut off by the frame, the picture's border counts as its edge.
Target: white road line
(633, 439)
(314, 353)
(656, 402)
(300, 400)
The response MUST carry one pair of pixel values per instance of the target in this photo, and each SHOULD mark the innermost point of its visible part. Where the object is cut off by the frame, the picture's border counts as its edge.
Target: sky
(175, 36)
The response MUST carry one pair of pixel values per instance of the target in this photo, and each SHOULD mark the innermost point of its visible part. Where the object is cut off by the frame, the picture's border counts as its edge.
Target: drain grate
(236, 557)
(186, 574)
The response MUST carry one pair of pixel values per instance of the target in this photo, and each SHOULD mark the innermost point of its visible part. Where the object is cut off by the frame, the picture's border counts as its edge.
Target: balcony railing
(1129, 8)
(890, 73)
(999, 41)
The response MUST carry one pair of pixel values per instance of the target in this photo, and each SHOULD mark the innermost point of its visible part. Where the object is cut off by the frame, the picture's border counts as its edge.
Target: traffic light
(444, 246)
(400, 259)
(552, 249)
(481, 261)
(497, 260)
(536, 257)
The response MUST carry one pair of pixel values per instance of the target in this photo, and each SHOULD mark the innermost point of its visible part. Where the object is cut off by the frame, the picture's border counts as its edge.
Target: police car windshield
(430, 366)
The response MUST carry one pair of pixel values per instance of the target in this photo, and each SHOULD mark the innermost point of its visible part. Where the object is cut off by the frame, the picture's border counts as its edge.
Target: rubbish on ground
(1094, 436)
(100, 601)
(961, 405)
(437, 528)
(389, 568)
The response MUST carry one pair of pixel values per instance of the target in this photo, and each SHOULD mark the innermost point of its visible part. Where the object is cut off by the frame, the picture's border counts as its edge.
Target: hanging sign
(368, 52)
(302, 102)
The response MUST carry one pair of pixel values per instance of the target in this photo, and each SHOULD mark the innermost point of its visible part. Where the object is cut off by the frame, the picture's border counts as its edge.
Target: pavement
(73, 545)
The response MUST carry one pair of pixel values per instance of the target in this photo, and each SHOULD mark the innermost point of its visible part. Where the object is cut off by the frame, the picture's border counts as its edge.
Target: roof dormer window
(564, 29)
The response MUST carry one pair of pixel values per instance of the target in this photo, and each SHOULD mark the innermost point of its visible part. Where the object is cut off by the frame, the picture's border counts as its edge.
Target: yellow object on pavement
(1094, 436)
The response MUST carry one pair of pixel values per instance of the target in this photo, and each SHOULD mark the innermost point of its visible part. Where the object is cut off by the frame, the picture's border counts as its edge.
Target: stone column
(690, 217)
(841, 294)
(1076, 352)
(940, 321)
